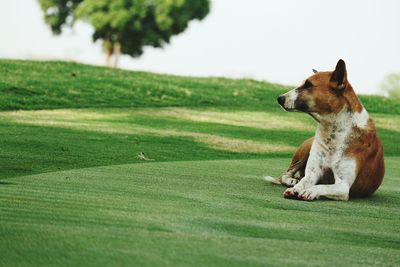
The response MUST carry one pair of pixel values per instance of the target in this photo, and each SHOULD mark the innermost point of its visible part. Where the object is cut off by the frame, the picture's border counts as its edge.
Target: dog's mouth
(290, 109)
(298, 106)
(313, 115)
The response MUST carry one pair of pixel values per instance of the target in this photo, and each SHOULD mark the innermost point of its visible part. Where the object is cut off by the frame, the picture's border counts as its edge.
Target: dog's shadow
(375, 199)
(382, 199)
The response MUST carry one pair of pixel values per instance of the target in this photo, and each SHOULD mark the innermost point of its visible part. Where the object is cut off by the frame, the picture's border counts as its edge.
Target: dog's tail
(271, 180)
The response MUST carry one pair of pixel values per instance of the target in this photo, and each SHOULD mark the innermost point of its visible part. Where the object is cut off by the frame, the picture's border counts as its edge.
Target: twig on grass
(142, 156)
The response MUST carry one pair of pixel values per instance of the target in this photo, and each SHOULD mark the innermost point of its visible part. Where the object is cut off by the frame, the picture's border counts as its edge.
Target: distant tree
(126, 26)
(391, 85)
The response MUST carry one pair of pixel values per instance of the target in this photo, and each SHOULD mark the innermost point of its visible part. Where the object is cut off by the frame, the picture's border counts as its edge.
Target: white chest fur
(332, 140)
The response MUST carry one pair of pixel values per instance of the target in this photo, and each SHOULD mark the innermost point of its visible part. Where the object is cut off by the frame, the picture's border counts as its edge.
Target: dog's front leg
(337, 191)
(344, 172)
(313, 173)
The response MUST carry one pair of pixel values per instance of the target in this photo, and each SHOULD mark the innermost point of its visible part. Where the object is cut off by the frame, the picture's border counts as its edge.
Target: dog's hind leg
(298, 164)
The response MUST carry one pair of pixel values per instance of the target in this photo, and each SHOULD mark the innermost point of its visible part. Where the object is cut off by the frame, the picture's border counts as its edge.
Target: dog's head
(321, 93)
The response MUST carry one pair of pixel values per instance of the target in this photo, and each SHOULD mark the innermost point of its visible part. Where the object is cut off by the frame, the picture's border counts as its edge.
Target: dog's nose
(281, 100)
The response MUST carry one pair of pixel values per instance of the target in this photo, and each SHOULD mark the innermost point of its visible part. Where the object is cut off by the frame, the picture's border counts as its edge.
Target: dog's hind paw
(270, 179)
(289, 181)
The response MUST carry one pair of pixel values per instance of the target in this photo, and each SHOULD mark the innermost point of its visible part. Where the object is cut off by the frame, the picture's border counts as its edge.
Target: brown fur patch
(366, 148)
(300, 157)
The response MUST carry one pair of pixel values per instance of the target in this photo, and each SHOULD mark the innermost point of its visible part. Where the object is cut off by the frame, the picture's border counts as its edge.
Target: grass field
(73, 191)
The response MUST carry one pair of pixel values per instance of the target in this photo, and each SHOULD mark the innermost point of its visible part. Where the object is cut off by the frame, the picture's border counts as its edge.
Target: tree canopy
(126, 26)
(391, 85)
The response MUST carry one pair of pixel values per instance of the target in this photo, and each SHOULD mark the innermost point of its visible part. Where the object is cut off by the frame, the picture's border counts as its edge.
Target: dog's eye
(307, 85)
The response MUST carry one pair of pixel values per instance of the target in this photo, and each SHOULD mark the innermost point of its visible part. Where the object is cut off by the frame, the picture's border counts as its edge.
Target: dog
(345, 157)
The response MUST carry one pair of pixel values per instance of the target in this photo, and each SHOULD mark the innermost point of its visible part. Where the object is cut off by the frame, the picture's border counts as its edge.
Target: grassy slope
(41, 85)
(209, 212)
(69, 85)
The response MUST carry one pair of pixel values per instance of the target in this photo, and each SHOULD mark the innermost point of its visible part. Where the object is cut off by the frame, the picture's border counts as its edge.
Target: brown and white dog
(345, 157)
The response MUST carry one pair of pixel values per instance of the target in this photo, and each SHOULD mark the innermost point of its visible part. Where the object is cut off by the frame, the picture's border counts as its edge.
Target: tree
(126, 26)
(391, 85)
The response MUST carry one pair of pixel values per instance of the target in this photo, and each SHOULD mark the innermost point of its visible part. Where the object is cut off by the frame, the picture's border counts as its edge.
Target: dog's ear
(314, 70)
(339, 76)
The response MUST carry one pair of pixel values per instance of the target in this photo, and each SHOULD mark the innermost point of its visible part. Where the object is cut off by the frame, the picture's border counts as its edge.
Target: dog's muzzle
(281, 100)
(291, 102)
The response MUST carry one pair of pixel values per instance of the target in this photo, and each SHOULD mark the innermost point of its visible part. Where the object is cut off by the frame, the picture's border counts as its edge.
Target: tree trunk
(117, 53)
(108, 57)
(108, 49)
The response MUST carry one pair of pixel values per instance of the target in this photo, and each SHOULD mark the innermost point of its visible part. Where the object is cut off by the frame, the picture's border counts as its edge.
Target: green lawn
(74, 193)
(192, 213)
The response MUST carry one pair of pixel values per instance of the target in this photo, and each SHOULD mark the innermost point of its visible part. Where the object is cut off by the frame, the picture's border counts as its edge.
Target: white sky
(279, 41)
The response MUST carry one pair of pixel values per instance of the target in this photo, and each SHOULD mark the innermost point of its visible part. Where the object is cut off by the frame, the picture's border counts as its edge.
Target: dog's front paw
(309, 194)
(290, 193)
(288, 181)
